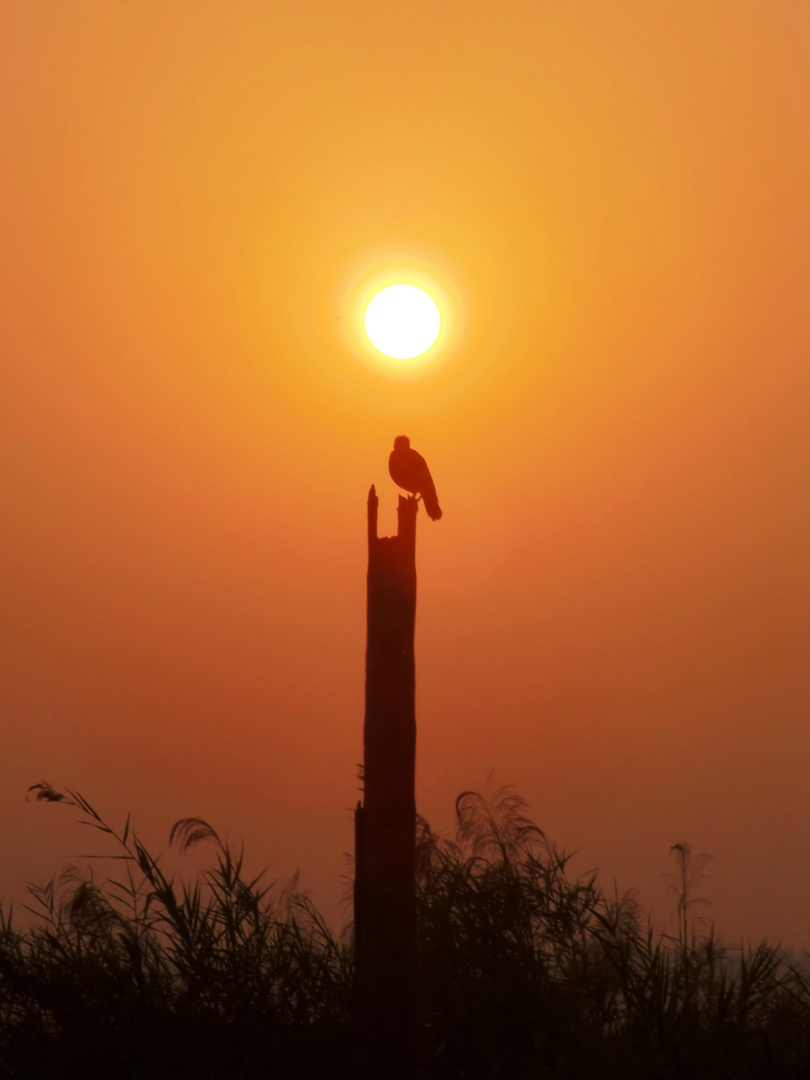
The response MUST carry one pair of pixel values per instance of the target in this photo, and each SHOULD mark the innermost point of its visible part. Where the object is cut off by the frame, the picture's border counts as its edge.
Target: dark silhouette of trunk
(385, 824)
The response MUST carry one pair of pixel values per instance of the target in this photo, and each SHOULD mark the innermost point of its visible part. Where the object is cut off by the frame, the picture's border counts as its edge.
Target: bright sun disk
(402, 321)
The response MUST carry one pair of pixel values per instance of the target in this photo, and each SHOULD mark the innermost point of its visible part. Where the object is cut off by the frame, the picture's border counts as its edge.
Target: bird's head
(402, 442)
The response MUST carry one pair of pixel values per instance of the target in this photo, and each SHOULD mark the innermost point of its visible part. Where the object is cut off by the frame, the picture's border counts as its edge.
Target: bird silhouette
(409, 471)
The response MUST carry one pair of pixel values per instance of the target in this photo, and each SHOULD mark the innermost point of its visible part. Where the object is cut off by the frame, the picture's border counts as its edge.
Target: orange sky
(613, 612)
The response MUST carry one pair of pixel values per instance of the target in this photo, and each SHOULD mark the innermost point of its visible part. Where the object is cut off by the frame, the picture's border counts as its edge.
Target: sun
(402, 322)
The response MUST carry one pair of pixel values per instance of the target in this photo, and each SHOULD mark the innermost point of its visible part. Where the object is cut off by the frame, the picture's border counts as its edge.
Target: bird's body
(409, 471)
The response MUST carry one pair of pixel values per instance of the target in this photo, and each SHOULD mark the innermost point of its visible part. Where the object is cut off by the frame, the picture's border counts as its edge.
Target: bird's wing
(424, 480)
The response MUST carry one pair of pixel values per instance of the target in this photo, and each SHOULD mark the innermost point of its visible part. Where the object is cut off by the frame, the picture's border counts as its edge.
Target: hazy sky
(614, 201)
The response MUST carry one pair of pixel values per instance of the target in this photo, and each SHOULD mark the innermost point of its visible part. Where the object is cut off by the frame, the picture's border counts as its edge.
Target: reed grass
(524, 971)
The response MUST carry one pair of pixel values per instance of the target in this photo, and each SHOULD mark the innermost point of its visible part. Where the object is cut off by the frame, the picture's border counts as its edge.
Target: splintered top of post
(405, 540)
(373, 503)
(406, 522)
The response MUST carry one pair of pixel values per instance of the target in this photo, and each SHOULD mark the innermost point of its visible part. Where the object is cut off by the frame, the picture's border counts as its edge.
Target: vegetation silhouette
(523, 971)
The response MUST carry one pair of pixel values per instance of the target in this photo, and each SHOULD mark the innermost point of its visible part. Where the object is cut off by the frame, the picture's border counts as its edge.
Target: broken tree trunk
(385, 824)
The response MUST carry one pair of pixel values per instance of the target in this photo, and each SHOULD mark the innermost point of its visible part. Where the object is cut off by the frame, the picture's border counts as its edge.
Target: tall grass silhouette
(524, 971)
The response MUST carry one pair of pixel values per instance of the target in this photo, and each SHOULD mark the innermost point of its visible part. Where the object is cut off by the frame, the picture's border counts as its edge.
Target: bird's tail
(432, 506)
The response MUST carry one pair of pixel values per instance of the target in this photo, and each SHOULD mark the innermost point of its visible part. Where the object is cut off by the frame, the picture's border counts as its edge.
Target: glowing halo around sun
(402, 322)
(389, 339)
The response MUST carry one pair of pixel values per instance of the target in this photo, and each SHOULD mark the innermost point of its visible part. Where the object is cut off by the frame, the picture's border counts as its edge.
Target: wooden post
(385, 825)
